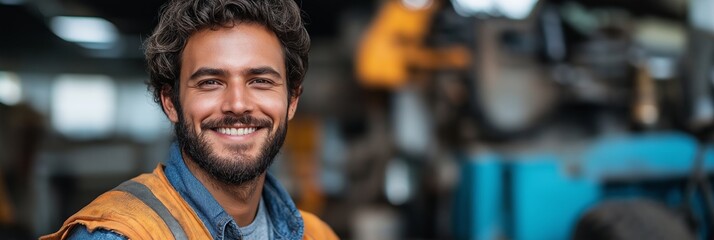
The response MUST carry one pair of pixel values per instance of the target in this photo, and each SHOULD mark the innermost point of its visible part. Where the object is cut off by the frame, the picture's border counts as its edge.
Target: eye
(209, 82)
(262, 82)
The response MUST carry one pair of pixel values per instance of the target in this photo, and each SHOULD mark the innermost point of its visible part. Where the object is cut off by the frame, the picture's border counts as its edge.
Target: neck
(239, 201)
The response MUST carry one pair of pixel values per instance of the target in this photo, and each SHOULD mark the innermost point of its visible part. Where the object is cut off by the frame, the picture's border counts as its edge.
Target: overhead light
(89, 32)
(514, 9)
(10, 89)
(472, 7)
(417, 4)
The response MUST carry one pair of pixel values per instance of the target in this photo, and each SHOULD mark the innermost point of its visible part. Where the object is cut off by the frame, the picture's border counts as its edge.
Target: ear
(292, 107)
(168, 105)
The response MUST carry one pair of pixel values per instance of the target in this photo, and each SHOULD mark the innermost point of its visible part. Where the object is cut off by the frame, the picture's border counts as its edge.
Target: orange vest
(148, 207)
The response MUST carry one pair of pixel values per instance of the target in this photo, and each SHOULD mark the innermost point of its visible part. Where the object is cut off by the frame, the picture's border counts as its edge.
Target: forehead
(236, 47)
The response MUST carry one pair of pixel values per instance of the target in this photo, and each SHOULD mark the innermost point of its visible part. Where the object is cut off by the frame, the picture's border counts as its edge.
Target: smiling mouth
(236, 131)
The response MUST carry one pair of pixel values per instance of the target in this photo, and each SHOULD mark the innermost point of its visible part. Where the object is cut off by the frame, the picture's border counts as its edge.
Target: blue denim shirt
(285, 218)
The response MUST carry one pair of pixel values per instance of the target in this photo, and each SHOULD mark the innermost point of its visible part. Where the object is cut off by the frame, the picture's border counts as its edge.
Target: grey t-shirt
(260, 228)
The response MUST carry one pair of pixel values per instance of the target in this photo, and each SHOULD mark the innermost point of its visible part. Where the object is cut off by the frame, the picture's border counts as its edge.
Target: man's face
(233, 106)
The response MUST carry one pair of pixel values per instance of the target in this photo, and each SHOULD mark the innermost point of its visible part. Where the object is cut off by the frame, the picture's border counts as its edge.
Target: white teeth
(236, 131)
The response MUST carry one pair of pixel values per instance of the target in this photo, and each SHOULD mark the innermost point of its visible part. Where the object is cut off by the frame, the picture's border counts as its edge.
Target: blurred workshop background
(421, 119)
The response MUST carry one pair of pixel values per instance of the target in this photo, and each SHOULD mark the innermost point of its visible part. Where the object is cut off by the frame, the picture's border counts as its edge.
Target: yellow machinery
(394, 45)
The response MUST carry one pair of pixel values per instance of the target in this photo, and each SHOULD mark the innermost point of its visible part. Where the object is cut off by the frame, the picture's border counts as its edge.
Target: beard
(239, 167)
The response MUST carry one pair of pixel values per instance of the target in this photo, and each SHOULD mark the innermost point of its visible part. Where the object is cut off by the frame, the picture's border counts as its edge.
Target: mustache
(243, 119)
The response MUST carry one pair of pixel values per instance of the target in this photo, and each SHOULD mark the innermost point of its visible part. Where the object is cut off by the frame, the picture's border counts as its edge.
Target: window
(83, 106)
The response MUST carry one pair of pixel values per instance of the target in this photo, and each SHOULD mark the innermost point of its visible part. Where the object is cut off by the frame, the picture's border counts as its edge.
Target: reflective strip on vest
(141, 192)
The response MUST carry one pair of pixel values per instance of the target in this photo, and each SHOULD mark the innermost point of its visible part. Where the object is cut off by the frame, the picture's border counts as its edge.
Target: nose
(237, 101)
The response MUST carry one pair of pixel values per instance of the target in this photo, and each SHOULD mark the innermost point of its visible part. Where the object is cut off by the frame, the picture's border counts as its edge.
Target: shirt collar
(284, 215)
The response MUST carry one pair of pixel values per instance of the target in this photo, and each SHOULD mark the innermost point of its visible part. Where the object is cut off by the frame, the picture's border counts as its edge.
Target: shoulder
(316, 228)
(124, 210)
(111, 216)
(80, 232)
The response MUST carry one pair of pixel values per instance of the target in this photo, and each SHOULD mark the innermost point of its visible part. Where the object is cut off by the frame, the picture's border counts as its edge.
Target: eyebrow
(208, 72)
(262, 70)
(205, 71)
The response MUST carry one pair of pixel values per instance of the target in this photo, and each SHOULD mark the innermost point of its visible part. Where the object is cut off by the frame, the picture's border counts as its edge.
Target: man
(228, 74)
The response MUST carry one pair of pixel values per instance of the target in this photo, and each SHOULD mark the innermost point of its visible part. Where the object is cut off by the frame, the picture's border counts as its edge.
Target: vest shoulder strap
(146, 207)
(141, 192)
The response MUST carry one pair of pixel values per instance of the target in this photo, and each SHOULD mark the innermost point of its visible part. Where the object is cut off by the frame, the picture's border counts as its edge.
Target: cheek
(275, 107)
(199, 107)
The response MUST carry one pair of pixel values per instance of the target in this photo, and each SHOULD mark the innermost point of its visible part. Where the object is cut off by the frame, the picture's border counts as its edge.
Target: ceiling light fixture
(10, 88)
(89, 32)
(513, 9)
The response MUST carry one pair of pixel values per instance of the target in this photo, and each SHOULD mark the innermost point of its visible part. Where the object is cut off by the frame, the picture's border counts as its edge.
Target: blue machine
(540, 196)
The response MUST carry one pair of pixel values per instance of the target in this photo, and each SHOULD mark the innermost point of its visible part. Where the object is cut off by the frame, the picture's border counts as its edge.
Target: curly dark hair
(179, 19)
